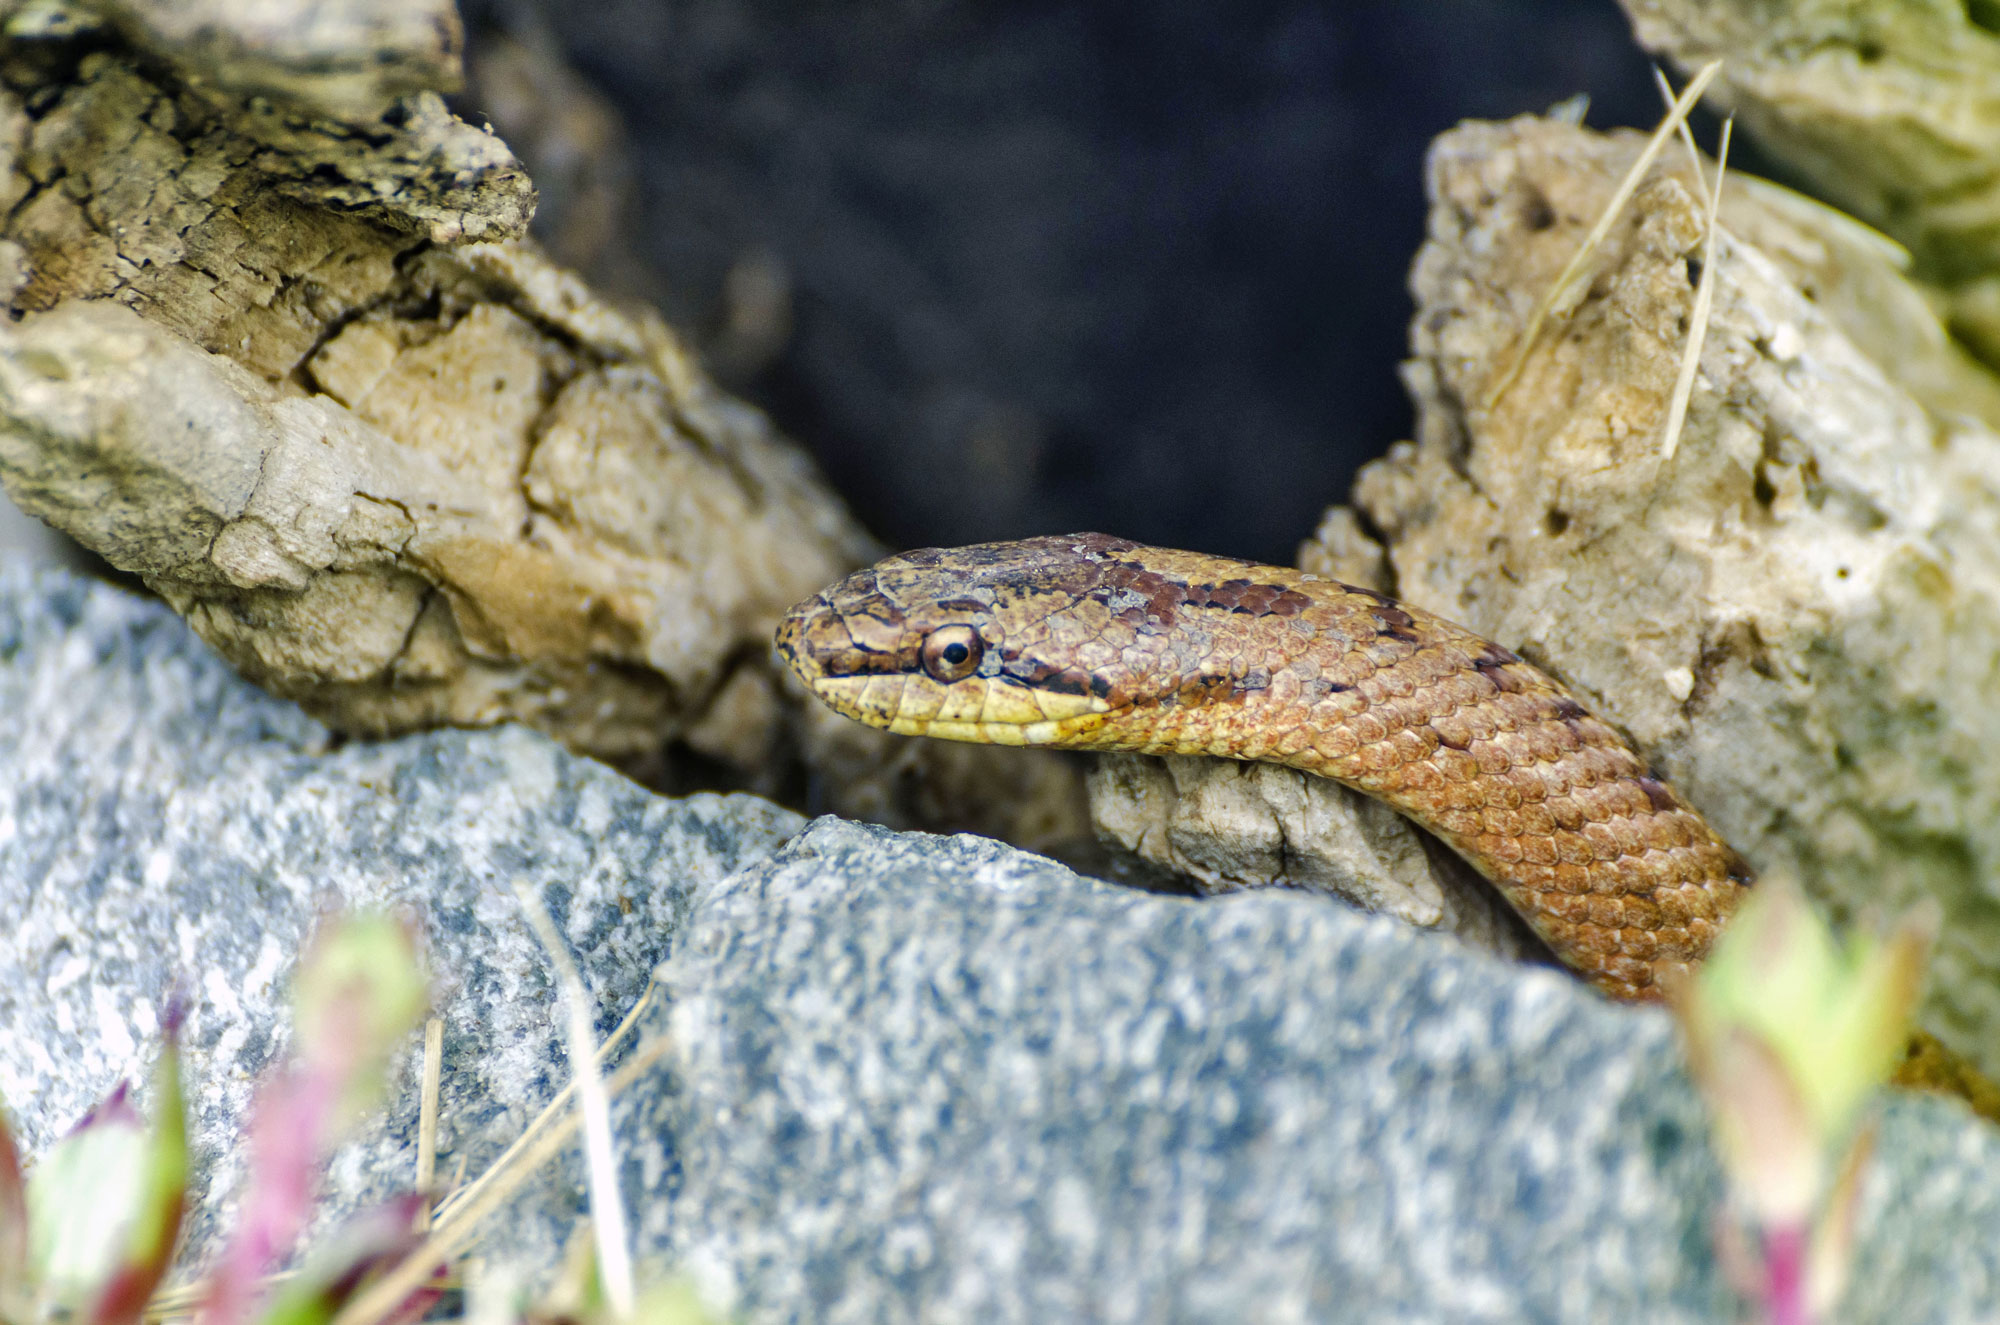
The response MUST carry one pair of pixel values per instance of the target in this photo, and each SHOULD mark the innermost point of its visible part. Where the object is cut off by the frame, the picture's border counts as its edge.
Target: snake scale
(1089, 642)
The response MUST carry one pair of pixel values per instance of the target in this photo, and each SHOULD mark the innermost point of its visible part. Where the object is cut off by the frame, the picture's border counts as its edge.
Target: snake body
(1089, 642)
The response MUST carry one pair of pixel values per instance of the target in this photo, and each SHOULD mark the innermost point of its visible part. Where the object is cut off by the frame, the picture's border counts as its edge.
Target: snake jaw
(979, 710)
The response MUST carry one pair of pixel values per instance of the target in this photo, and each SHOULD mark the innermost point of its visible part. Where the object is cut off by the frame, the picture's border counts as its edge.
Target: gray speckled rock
(935, 1078)
(909, 1078)
(938, 1079)
(160, 820)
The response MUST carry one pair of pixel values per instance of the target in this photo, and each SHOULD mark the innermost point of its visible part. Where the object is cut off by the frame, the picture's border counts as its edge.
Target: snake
(1090, 642)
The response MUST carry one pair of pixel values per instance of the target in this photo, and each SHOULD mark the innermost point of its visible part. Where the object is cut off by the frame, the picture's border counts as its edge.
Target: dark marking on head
(1098, 546)
(1100, 685)
(1394, 623)
(1069, 681)
(1246, 597)
(1208, 689)
(1017, 666)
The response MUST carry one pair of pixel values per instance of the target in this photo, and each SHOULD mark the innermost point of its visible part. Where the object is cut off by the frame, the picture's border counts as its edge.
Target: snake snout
(790, 639)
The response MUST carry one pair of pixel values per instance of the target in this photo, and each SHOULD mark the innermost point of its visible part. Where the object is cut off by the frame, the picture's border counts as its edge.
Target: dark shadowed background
(1017, 268)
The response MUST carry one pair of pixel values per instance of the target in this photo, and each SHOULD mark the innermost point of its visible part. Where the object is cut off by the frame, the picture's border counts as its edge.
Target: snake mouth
(985, 711)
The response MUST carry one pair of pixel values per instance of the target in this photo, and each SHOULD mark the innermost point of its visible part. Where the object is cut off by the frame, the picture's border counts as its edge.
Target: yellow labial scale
(918, 700)
(1008, 704)
(883, 694)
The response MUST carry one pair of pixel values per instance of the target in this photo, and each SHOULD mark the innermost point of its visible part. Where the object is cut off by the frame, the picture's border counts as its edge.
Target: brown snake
(1092, 643)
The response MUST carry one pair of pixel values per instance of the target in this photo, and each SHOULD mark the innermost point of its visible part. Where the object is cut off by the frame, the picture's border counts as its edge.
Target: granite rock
(164, 823)
(917, 1078)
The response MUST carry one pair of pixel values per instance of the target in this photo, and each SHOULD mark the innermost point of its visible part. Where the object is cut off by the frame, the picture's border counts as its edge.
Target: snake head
(971, 644)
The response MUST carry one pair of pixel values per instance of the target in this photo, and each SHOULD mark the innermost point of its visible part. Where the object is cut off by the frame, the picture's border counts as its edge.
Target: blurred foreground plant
(360, 989)
(1789, 1034)
(88, 1234)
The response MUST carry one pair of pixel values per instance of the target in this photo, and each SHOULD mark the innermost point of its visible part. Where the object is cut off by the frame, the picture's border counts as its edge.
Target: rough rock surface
(1892, 107)
(1228, 826)
(906, 1077)
(162, 822)
(403, 482)
(379, 554)
(347, 59)
(300, 374)
(1795, 616)
(923, 1078)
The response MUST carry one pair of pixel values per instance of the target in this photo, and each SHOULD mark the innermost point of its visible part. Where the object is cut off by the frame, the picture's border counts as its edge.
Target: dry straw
(1561, 291)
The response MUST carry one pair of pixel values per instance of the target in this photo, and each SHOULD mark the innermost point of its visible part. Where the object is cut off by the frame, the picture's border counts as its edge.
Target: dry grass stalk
(454, 1227)
(1559, 291)
(1704, 302)
(607, 1203)
(460, 1213)
(427, 1116)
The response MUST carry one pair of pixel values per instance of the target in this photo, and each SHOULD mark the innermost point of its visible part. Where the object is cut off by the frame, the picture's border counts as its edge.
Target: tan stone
(1891, 108)
(1231, 826)
(1797, 617)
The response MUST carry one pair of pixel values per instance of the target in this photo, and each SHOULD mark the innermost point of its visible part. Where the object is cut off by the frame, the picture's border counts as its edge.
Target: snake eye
(951, 653)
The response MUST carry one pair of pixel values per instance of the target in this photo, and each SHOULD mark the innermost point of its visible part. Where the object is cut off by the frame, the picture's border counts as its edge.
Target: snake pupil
(954, 654)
